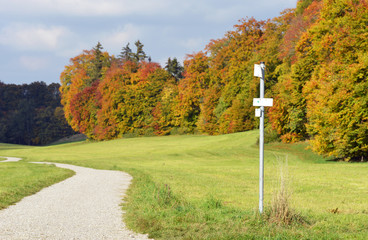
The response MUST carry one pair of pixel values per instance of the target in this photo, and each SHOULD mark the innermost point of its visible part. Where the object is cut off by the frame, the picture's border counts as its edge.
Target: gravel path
(85, 206)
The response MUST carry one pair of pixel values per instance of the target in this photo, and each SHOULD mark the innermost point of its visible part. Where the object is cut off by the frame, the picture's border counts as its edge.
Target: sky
(38, 37)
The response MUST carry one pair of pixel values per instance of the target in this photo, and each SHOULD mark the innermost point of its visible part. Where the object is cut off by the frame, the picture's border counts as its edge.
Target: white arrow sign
(263, 102)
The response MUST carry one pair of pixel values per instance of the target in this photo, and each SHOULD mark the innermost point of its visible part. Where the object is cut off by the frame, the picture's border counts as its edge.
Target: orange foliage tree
(222, 81)
(77, 76)
(190, 92)
(288, 116)
(337, 102)
(316, 59)
(121, 100)
(319, 94)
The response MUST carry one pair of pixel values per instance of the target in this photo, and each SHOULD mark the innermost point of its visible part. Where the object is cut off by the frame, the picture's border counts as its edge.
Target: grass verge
(20, 179)
(154, 209)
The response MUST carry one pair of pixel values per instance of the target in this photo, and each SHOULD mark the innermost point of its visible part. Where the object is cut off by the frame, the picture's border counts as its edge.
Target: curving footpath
(85, 206)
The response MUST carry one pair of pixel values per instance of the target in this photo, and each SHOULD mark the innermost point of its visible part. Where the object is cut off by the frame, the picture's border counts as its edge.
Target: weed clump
(281, 212)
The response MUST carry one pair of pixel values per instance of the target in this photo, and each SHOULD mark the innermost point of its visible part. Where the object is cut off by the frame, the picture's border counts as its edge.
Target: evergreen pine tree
(174, 68)
(97, 63)
(140, 55)
(127, 54)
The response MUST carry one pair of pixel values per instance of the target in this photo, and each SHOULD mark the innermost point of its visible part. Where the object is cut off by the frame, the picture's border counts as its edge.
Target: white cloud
(210, 9)
(193, 43)
(83, 7)
(118, 38)
(33, 63)
(33, 37)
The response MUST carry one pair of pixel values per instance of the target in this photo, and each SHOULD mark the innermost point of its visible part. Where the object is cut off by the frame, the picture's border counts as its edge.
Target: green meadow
(20, 179)
(206, 187)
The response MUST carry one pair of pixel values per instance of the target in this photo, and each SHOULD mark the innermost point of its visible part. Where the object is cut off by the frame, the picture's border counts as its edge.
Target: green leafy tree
(27, 114)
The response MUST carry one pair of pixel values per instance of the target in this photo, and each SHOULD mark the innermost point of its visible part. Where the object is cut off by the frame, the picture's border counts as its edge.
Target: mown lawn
(206, 187)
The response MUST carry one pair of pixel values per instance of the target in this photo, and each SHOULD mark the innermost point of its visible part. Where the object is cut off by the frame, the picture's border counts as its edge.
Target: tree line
(31, 114)
(316, 59)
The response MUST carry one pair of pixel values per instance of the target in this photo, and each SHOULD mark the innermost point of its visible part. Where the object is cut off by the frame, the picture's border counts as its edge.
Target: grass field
(206, 187)
(20, 179)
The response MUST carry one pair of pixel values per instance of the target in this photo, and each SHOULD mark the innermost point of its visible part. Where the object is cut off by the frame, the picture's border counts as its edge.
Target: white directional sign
(263, 102)
(257, 70)
(258, 112)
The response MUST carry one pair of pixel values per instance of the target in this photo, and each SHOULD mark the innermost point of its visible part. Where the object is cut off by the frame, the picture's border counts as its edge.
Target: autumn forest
(316, 58)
